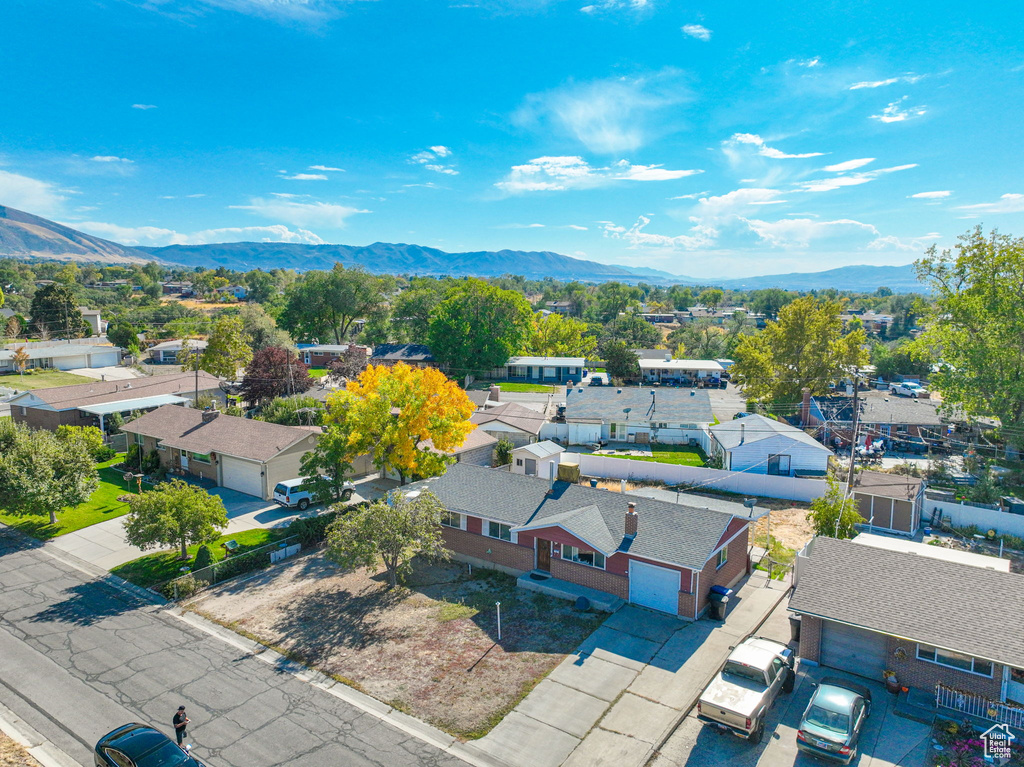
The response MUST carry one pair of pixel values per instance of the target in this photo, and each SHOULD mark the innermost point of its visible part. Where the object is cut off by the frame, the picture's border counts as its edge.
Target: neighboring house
(910, 424)
(166, 352)
(757, 444)
(890, 502)
(487, 398)
(656, 554)
(873, 322)
(238, 291)
(565, 308)
(95, 322)
(544, 369)
(518, 424)
(61, 356)
(661, 355)
(956, 622)
(538, 459)
(321, 355)
(659, 319)
(680, 371)
(632, 414)
(89, 404)
(477, 450)
(237, 453)
(414, 355)
(171, 288)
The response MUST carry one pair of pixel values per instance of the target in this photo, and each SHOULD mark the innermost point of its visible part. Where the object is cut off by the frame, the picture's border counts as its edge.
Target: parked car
(298, 492)
(907, 389)
(831, 725)
(738, 698)
(138, 745)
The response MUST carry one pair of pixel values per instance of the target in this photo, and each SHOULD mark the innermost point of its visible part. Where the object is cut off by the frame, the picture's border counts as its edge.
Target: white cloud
(305, 177)
(29, 194)
(697, 31)
(731, 202)
(302, 214)
(520, 226)
(156, 236)
(700, 235)
(853, 179)
(842, 167)
(914, 244)
(616, 5)
(110, 158)
(307, 11)
(931, 195)
(560, 173)
(577, 227)
(810, 63)
(610, 116)
(895, 112)
(763, 149)
(327, 168)
(874, 83)
(800, 232)
(431, 160)
(196, 196)
(1008, 203)
(143, 106)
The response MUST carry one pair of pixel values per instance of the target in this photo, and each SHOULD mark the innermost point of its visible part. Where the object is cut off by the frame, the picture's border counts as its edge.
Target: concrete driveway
(110, 373)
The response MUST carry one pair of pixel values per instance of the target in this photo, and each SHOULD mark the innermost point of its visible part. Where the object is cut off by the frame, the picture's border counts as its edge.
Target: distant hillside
(900, 279)
(23, 235)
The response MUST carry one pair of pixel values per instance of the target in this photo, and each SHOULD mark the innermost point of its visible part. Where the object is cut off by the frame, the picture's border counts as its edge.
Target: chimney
(494, 393)
(805, 407)
(209, 415)
(743, 432)
(552, 468)
(631, 520)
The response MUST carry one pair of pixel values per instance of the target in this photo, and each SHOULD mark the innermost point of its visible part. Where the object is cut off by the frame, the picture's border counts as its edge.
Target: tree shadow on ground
(87, 604)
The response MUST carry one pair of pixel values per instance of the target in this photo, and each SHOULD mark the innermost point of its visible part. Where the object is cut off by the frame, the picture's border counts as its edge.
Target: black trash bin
(719, 605)
(794, 627)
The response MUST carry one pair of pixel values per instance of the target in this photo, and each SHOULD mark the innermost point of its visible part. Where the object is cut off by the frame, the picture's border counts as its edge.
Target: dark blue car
(138, 745)
(831, 725)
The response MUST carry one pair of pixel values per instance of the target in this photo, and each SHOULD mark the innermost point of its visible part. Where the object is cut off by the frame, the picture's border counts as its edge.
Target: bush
(204, 558)
(104, 454)
(133, 459)
(186, 586)
(313, 530)
(150, 462)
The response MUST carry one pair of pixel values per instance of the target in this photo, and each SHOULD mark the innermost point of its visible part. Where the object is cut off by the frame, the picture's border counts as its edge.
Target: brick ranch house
(237, 453)
(930, 615)
(655, 554)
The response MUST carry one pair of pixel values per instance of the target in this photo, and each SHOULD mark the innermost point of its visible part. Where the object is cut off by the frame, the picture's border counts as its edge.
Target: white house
(632, 414)
(167, 352)
(761, 445)
(536, 460)
(61, 356)
(680, 370)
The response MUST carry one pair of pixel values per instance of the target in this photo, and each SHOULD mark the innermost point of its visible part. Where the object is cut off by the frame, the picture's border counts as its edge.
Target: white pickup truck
(738, 698)
(907, 389)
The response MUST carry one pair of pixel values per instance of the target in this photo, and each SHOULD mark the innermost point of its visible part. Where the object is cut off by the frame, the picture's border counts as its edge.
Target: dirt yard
(429, 649)
(789, 527)
(13, 755)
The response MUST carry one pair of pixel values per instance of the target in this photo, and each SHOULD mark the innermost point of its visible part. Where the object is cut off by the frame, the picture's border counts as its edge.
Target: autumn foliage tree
(274, 372)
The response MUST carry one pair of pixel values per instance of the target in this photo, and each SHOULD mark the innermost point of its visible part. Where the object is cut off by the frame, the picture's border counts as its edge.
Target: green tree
(834, 514)
(633, 330)
(613, 298)
(322, 304)
(620, 361)
(174, 514)
(260, 286)
(558, 336)
(805, 347)
(42, 474)
(680, 297)
(261, 329)
(390, 532)
(227, 349)
(121, 333)
(769, 301)
(412, 310)
(699, 340)
(328, 464)
(503, 452)
(976, 325)
(89, 437)
(710, 298)
(55, 313)
(478, 327)
(293, 411)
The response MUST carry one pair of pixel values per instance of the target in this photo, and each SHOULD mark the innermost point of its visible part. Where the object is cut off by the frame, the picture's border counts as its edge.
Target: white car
(298, 492)
(907, 389)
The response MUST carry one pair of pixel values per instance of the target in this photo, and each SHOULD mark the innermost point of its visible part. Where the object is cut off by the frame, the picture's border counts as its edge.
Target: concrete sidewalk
(620, 695)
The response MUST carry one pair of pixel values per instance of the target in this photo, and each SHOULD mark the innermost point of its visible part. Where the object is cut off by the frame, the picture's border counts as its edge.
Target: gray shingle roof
(541, 449)
(600, 403)
(512, 414)
(588, 524)
(402, 353)
(754, 428)
(887, 485)
(95, 392)
(883, 408)
(668, 532)
(954, 606)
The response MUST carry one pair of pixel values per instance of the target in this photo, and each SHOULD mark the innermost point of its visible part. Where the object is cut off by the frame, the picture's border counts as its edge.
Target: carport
(141, 404)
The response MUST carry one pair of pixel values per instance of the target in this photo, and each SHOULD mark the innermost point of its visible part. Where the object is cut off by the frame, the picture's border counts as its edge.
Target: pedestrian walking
(181, 724)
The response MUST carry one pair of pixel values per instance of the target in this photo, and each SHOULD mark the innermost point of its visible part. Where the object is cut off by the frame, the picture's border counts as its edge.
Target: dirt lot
(789, 527)
(13, 755)
(430, 649)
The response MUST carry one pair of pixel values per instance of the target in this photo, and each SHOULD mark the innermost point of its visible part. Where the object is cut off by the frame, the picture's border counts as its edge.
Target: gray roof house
(610, 546)
(760, 445)
(518, 424)
(61, 356)
(636, 414)
(166, 352)
(555, 370)
(934, 623)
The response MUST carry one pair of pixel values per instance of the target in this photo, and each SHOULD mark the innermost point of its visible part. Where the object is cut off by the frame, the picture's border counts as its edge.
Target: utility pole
(853, 443)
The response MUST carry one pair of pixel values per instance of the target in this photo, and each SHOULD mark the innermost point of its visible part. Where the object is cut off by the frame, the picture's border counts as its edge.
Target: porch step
(599, 600)
(917, 705)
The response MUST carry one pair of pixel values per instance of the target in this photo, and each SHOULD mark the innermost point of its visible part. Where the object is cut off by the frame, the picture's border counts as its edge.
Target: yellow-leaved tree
(405, 418)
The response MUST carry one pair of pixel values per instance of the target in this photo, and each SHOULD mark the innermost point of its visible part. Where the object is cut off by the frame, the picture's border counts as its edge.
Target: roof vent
(619, 391)
(127, 386)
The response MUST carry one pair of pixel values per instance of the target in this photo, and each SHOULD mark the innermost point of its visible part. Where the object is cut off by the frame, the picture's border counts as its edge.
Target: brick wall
(729, 573)
(923, 675)
(37, 418)
(810, 638)
(591, 577)
(468, 546)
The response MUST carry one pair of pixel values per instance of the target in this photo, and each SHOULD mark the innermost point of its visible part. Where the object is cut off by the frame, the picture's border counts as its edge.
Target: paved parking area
(725, 403)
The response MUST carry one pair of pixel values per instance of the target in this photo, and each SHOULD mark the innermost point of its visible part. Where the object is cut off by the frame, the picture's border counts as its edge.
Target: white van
(297, 492)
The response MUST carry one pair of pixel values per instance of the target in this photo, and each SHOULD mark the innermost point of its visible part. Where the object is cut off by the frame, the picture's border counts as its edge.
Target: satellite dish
(750, 502)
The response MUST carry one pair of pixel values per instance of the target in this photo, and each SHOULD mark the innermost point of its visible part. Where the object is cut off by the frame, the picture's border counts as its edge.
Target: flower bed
(959, 744)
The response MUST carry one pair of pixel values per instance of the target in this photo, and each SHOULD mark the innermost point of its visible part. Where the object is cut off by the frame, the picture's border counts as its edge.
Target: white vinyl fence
(979, 706)
(964, 514)
(788, 488)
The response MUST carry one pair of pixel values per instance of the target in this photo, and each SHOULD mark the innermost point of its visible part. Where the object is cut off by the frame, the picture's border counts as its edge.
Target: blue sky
(710, 140)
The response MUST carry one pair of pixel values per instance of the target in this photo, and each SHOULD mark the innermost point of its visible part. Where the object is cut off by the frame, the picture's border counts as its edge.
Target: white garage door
(104, 359)
(243, 476)
(852, 649)
(654, 587)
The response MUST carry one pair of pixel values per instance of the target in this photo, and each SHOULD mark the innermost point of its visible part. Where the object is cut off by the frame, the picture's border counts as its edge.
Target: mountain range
(24, 235)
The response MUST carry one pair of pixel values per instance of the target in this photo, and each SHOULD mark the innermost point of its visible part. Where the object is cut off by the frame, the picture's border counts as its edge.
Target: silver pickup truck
(740, 695)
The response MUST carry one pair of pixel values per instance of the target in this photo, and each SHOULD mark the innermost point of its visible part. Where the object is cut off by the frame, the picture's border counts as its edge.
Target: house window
(139, 439)
(200, 457)
(519, 461)
(24, 411)
(611, 430)
(498, 530)
(452, 519)
(954, 660)
(901, 428)
(583, 557)
(83, 414)
(661, 426)
(723, 557)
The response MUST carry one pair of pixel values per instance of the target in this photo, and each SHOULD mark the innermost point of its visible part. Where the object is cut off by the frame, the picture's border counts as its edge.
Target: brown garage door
(853, 649)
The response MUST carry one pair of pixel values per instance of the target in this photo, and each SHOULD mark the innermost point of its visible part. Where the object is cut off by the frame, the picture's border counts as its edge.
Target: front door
(778, 465)
(543, 555)
(1015, 686)
(531, 467)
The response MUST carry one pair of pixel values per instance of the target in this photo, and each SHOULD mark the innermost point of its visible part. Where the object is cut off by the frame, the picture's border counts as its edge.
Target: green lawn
(101, 506)
(684, 455)
(317, 372)
(515, 386)
(42, 380)
(162, 566)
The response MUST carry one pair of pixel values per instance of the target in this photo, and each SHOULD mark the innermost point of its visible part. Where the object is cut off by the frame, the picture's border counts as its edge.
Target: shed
(761, 445)
(537, 460)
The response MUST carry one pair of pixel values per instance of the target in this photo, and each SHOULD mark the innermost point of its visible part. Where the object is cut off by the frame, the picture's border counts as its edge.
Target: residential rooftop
(513, 414)
(754, 428)
(95, 392)
(606, 403)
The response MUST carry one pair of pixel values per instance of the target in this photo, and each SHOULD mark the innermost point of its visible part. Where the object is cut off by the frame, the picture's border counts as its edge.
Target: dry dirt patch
(790, 527)
(13, 755)
(429, 649)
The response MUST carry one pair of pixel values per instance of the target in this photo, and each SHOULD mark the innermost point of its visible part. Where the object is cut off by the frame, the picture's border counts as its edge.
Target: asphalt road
(79, 658)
